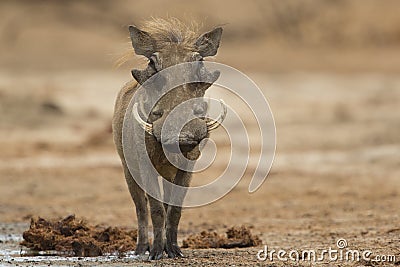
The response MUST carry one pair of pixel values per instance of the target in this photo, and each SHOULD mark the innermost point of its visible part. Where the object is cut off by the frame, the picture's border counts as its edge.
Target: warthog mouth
(177, 147)
(211, 124)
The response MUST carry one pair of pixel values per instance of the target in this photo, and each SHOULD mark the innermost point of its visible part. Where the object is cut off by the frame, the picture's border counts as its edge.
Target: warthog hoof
(173, 251)
(142, 248)
(156, 253)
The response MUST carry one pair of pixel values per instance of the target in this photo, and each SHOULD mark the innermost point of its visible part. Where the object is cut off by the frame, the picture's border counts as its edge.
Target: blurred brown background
(329, 68)
(270, 35)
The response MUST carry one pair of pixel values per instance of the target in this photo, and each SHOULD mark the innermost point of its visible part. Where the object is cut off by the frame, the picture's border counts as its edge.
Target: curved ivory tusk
(214, 124)
(145, 125)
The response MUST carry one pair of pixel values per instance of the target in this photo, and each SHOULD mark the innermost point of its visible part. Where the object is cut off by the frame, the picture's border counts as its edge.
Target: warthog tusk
(145, 125)
(214, 124)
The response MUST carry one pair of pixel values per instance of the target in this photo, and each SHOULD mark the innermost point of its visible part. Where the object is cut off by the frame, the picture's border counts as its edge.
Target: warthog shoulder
(121, 104)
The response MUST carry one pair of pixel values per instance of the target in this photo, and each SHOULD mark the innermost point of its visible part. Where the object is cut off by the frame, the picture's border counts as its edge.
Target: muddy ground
(336, 173)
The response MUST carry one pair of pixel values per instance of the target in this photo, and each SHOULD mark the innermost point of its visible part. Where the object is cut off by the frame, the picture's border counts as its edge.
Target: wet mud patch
(235, 237)
(73, 237)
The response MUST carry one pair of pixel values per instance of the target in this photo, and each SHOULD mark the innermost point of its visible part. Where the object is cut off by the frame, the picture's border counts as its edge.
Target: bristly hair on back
(165, 32)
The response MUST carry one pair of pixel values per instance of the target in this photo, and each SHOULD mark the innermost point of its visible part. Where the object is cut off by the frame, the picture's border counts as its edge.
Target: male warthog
(164, 43)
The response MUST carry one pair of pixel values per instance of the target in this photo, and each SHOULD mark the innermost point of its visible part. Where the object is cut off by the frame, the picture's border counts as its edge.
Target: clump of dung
(236, 237)
(73, 237)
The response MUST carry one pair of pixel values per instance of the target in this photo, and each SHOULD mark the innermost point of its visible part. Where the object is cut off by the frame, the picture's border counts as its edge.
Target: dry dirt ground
(330, 71)
(336, 172)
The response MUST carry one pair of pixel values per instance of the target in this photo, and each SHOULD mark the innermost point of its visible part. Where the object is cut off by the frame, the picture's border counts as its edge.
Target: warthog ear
(142, 42)
(208, 43)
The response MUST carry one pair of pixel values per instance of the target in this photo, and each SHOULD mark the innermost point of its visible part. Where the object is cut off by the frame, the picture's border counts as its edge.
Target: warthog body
(165, 44)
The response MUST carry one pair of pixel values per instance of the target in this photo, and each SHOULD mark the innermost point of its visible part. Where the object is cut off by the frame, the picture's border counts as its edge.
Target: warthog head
(166, 47)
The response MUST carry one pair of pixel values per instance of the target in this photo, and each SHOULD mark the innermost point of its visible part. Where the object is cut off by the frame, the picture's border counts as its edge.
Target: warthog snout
(190, 136)
(173, 138)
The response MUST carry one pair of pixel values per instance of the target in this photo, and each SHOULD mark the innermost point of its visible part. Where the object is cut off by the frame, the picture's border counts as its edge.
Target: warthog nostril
(169, 141)
(186, 135)
(181, 141)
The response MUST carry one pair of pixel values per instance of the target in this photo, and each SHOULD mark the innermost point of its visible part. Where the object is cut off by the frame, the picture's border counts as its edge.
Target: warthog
(164, 43)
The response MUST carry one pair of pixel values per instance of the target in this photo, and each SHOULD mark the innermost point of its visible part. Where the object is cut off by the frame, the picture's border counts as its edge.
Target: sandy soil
(329, 71)
(336, 172)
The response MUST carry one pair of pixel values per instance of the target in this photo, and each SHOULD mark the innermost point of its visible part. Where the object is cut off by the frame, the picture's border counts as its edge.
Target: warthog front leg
(167, 194)
(174, 215)
(158, 219)
(140, 200)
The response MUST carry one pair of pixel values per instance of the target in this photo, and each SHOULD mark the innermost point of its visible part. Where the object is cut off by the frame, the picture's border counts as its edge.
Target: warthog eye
(152, 64)
(157, 112)
(197, 57)
(155, 62)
